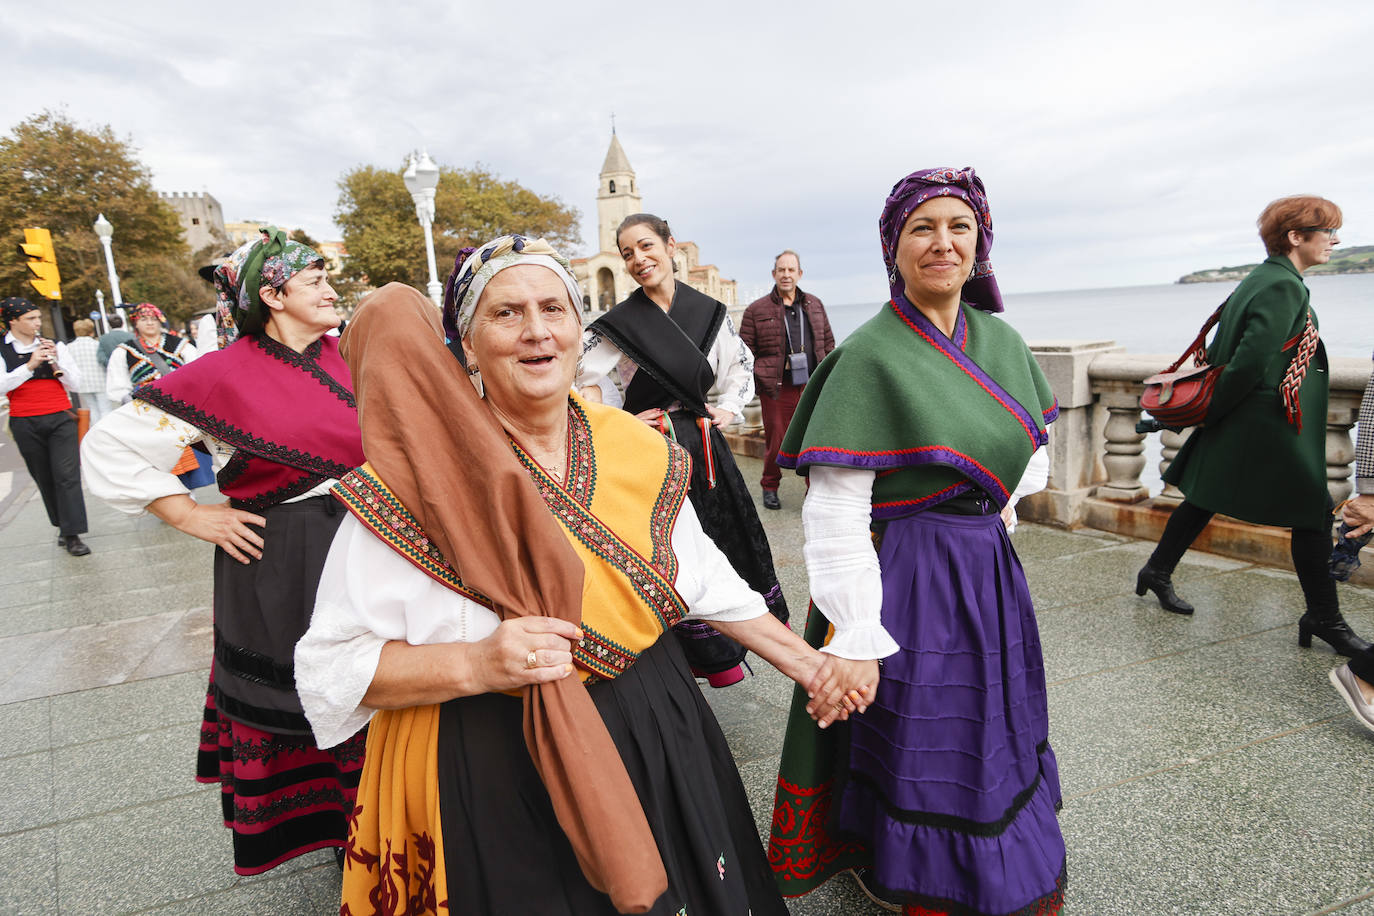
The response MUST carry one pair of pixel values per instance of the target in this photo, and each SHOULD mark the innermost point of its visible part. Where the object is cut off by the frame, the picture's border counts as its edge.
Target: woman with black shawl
(671, 356)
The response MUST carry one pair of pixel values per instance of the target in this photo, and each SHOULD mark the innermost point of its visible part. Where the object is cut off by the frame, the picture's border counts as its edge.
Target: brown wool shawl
(444, 454)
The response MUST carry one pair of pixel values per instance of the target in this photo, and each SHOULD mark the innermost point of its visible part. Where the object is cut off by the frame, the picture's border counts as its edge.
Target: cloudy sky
(1121, 143)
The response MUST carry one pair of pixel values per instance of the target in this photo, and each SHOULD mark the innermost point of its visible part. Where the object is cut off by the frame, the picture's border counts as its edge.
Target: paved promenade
(1208, 766)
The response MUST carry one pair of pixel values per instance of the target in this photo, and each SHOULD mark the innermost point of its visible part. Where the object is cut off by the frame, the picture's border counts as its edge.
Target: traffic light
(42, 263)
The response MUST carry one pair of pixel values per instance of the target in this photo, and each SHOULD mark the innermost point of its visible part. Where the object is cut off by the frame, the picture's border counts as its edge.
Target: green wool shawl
(934, 416)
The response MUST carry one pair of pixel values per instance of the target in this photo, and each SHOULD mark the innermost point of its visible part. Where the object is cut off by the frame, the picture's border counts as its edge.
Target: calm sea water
(1161, 319)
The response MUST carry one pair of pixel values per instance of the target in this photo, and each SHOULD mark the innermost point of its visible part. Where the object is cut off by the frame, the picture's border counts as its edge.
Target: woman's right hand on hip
(227, 527)
(218, 523)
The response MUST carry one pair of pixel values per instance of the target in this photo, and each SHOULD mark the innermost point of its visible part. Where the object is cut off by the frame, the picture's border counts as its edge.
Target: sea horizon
(1160, 318)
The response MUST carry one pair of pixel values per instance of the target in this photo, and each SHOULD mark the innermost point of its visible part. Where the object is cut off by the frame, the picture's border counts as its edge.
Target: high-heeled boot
(1162, 584)
(1332, 627)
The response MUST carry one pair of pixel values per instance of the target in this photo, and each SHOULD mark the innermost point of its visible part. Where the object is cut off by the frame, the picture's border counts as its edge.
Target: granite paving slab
(1277, 826)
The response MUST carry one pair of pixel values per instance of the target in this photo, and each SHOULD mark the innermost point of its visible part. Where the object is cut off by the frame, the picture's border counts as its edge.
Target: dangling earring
(475, 374)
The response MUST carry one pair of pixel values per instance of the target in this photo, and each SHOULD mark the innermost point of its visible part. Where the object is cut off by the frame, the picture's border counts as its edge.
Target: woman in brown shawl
(528, 543)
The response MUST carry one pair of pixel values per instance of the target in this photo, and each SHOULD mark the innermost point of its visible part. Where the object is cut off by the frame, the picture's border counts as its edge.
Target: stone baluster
(1341, 415)
(1125, 449)
(751, 417)
(1171, 442)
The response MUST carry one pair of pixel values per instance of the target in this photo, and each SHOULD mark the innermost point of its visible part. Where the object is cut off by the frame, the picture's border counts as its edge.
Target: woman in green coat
(1254, 458)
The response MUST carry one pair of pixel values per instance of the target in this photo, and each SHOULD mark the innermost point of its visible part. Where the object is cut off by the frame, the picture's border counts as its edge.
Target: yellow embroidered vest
(625, 487)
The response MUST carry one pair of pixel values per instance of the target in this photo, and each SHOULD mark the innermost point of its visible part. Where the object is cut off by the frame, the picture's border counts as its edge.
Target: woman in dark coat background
(1260, 455)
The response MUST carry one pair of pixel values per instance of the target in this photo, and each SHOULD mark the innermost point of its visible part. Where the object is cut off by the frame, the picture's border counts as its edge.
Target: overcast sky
(1121, 144)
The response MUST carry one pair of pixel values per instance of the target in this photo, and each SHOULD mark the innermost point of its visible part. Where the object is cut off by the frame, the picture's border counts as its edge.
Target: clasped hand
(1358, 513)
(839, 687)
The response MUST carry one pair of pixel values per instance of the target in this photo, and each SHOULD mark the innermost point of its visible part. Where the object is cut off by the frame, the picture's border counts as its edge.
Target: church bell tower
(617, 197)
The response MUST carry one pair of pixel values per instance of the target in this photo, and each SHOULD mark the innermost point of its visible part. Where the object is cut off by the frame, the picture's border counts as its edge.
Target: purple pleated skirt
(951, 781)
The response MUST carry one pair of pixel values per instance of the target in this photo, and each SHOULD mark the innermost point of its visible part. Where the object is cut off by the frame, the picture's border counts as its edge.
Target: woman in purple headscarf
(918, 434)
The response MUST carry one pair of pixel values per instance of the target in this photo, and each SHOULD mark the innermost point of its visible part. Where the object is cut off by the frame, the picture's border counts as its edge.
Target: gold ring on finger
(531, 661)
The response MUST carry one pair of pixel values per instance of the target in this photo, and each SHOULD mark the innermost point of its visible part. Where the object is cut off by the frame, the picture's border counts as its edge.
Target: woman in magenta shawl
(275, 410)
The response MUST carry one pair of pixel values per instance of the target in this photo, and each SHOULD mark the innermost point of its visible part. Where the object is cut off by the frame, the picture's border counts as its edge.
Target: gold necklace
(552, 467)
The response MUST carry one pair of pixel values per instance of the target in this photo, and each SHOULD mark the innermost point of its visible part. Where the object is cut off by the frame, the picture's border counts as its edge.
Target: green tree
(60, 176)
(300, 235)
(472, 206)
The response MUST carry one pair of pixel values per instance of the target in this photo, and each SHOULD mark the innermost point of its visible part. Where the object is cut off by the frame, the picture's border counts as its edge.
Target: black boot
(1331, 627)
(1163, 586)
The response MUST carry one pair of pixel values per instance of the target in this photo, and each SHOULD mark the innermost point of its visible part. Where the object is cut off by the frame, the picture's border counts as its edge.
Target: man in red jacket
(38, 375)
(789, 334)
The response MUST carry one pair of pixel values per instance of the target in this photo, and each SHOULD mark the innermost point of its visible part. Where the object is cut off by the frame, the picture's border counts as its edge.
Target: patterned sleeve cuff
(1364, 485)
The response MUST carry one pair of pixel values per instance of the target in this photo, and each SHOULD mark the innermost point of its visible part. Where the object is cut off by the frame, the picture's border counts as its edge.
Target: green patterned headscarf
(269, 261)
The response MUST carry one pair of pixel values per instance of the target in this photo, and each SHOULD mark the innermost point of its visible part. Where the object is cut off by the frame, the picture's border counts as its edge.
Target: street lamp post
(104, 319)
(421, 178)
(105, 231)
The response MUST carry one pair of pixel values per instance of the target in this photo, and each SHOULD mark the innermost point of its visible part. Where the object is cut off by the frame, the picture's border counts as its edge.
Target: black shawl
(669, 348)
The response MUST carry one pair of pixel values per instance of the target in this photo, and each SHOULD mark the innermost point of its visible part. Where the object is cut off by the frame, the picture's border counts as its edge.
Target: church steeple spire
(616, 198)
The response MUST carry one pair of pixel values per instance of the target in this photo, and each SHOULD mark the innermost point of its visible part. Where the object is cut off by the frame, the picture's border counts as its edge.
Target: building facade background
(202, 218)
(602, 276)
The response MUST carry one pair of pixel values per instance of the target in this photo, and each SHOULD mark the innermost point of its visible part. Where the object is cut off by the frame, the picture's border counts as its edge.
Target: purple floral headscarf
(980, 290)
(268, 261)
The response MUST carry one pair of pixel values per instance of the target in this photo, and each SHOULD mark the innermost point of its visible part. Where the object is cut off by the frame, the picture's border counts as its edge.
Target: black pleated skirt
(263, 608)
(504, 851)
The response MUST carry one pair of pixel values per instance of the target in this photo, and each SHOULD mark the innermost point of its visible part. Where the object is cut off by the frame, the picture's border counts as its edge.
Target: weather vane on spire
(613, 122)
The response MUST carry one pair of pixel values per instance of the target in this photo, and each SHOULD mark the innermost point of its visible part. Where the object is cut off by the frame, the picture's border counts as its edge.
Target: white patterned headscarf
(474, 268)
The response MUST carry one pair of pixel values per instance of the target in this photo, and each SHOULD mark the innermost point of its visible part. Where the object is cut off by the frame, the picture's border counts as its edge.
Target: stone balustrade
(1095, 451)
(1098, 460)
(1097, 457)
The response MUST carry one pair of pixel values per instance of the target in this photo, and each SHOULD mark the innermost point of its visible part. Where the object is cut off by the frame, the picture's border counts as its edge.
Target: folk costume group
(504, 581)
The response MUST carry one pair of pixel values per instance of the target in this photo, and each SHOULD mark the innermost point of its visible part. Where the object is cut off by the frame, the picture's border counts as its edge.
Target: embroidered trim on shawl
(667, 507)
(233, 469)
(599, 654)
(280, 494)
(912, 457)
(581, 456)
(230, 434)
(364, 494)
(899, 508)
(307, 361)
(922, 327)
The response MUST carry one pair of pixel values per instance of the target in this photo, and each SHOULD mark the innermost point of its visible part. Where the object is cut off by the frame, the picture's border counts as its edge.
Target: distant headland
(1356, 260)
